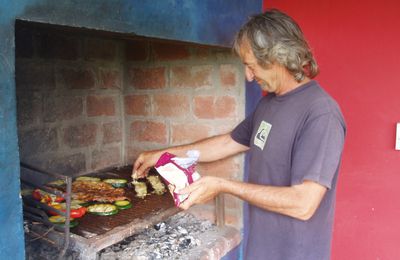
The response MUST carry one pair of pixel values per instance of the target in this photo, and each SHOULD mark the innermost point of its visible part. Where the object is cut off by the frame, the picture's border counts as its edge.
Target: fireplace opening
(88, 102)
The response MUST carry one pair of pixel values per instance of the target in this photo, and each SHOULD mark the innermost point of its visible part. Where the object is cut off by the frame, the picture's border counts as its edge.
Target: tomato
(36, 194)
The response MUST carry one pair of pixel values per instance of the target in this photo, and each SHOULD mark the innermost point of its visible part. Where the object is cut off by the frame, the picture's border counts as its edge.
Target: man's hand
(144, 162)
(201, 191)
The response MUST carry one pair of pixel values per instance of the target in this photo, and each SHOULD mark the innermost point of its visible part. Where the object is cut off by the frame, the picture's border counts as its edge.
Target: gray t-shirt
(293, 137)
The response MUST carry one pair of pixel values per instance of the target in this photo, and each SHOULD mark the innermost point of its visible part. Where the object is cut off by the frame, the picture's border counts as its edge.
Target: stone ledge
(218, 244)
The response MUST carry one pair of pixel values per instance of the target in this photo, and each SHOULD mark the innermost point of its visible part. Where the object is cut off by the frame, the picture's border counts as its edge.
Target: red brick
(110, 79)
(171, 105)
(133, 152)
(29, 108)
(191, 76)
(100, 106)
(226, 168)
(234, 218)
(80, 135)
(34, 142)
(231, 202)
(106, 157)
(61, 108)
(137, 51)
(228, 75)
(52, 45)
(170, 51)
(226, 127)
(80, 78)
(138, 105)
(214, 107)
(99, 49)
(149, 131)
(34, 76)
(69, 165)
(188, 133)
(147, 78)
(201, 52)
(112, 132)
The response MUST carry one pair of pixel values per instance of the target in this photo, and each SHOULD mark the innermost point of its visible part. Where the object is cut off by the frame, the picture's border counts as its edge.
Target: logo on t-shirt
(262, 134)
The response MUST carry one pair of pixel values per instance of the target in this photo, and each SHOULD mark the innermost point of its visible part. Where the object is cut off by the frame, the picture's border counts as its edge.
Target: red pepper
(45, 197)
(77, 213)
(36, 195)
(74, 213)
(59, 199)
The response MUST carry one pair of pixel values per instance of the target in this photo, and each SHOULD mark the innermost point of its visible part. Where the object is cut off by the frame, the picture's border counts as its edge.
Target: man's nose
(249, 74)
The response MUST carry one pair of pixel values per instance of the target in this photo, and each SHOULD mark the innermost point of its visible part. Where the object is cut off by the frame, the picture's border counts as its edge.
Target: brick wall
(87, 101)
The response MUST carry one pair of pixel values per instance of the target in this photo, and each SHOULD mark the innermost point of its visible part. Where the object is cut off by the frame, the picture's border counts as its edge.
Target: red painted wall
(357, 45)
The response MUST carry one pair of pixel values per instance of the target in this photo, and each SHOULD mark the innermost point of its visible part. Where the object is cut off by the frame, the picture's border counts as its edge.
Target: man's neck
(291, 84)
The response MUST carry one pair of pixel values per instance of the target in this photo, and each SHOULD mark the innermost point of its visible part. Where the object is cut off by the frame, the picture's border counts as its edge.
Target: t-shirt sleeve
(318, 150)
(243, 131)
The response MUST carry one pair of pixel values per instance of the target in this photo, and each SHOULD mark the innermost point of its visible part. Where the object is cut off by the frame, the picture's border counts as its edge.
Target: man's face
(269, 78)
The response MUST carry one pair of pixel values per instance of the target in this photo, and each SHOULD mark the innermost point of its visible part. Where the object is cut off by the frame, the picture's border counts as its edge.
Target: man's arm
(211, 149)
(297, 201)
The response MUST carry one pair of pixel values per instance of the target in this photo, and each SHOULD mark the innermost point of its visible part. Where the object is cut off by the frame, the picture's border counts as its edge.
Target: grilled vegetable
(158, 186)
(140, 189)
(123, 204)
(103, 209)
(80, 203)
(116, 183)
(60, 220)
(57, 183)
(77, 211)
(87, 178)
(45, 197)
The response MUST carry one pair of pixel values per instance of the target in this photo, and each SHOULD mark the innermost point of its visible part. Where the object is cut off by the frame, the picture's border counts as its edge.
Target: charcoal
(171, 239)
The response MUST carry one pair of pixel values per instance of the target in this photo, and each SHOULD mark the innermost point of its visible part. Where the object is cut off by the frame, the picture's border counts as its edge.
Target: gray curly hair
(276, 37)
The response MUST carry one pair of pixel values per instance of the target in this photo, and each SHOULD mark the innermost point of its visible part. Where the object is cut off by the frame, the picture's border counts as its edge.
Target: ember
(172, 239)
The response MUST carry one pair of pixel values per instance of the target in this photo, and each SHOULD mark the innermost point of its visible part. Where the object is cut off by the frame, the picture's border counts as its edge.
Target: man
(294, 137)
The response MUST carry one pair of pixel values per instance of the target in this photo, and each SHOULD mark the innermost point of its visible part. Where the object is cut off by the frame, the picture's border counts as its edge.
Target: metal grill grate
(141, 208)
(97, 232)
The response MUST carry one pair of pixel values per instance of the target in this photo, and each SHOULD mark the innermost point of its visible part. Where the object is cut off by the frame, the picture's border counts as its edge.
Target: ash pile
(173, 239)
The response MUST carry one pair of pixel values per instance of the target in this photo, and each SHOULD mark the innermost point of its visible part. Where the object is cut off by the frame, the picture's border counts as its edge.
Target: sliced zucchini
(123, 204)
(60, 221)
(72, 224)
(87, 178)
(116, 183)
(80, 203)
(57, 183)
(103, 209)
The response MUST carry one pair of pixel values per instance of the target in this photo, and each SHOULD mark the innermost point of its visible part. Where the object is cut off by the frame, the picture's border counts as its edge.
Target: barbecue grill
(93, 232)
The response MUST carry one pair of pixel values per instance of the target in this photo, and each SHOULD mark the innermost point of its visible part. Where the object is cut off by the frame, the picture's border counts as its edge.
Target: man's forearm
(298, 201)
(211, 149)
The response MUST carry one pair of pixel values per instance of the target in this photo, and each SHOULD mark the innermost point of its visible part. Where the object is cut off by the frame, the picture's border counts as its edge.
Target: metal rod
(220, 210)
